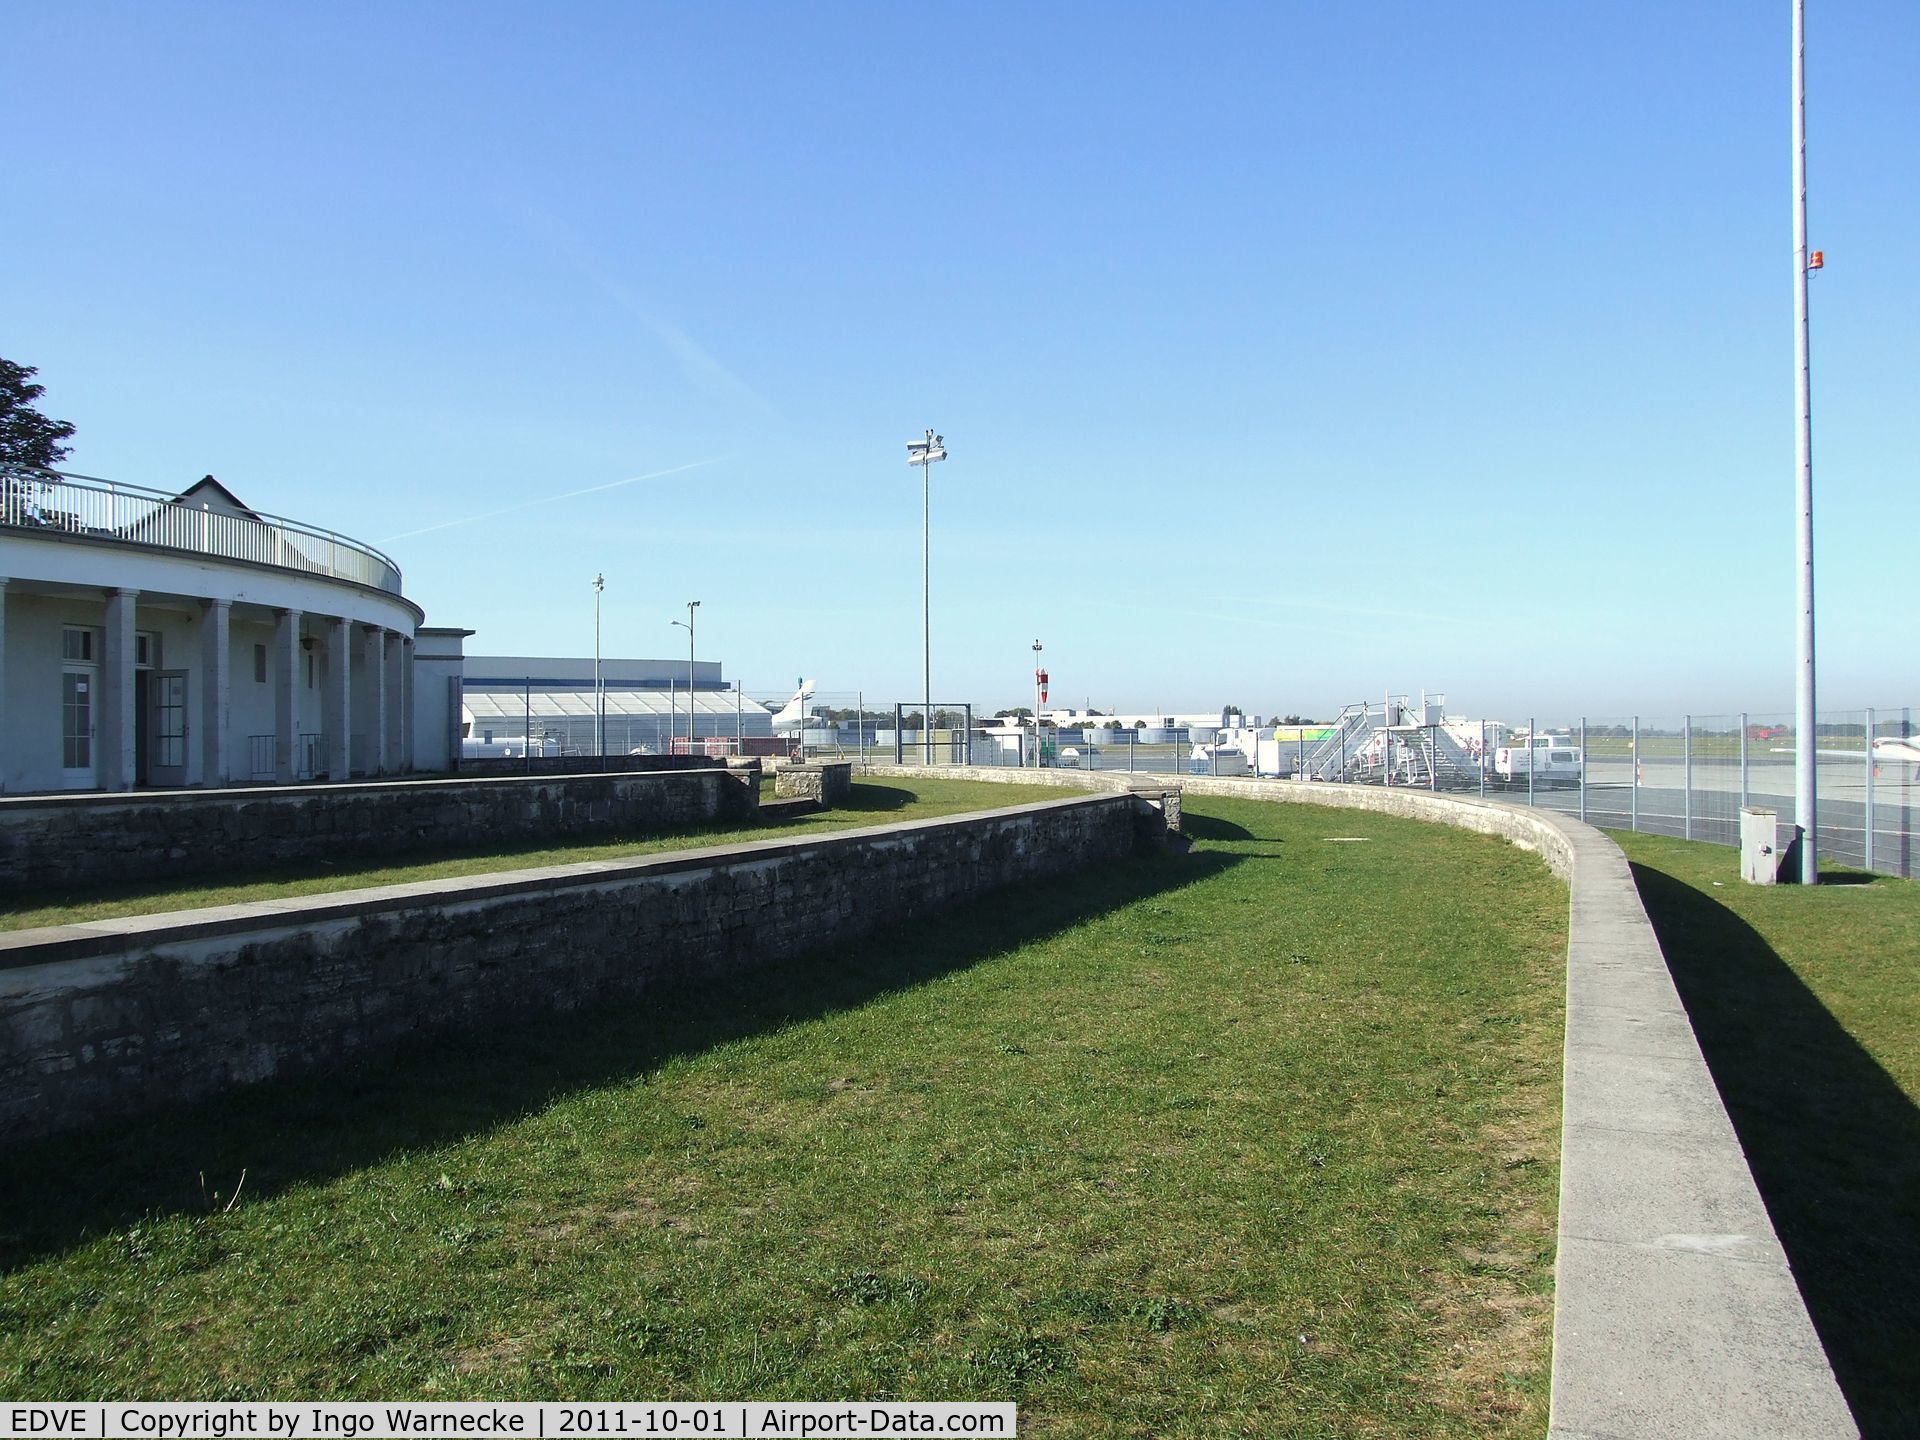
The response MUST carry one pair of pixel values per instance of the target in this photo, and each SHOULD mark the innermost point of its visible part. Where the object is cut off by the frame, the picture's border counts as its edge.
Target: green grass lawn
(872, 803)
(1260, 1139)
(1806, 1002)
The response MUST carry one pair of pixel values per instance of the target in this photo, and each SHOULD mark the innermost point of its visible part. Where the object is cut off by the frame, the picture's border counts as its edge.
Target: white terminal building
(155, 639)
(516, 704)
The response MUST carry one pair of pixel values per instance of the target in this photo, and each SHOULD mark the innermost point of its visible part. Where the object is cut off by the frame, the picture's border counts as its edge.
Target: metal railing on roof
(35, 499)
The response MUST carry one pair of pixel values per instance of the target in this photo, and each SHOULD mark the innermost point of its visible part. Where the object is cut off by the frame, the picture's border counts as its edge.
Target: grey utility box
(1759, 844)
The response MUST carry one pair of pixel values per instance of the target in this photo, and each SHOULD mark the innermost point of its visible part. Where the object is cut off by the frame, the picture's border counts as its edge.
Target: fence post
(1483, 759)
(967, 710)
(1583, 769)
(1906, 824)
(528, 747)
(1130, 738)
(1686, 776)
(1533, 729)
(1866, 848)
(1743, 760)
(1633, 786)
(899, 736)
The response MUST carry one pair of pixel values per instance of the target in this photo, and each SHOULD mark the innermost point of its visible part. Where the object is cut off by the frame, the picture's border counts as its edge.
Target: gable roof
(215, 496)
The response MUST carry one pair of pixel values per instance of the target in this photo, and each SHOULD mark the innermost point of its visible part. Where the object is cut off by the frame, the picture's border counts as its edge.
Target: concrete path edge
(1676, 1313)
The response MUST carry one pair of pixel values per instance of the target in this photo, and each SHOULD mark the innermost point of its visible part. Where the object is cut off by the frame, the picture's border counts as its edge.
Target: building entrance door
(167, 729)
(76, 728)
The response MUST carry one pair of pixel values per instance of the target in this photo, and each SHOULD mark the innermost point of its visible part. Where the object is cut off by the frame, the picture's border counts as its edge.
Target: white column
(286, 695)
(406, 704)
(117, 679)
(396, 710)
(339, 701)
(6, 745)
(373, 669)
(216, 690)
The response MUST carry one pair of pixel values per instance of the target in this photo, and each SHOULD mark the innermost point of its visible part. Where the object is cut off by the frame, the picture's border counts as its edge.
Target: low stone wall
(118, 1016)
(830, 782)
(64, 840)
(501, 765)
(1675, 1311)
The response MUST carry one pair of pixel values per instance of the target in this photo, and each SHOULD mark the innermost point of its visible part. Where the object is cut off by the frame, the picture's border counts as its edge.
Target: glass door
(167, 729)
(76, 729)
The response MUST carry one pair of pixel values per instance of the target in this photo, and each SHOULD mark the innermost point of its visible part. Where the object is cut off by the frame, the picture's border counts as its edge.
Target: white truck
(1219, 758)
(1551, 760)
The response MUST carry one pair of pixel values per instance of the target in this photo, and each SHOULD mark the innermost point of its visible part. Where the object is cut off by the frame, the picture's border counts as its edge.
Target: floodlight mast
(599, 690)
(1806, 798)
(1036, 704)
(925, 453)
(687, 625)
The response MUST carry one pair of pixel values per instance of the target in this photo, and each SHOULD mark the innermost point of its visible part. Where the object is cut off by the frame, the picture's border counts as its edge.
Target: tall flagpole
(1806, 800)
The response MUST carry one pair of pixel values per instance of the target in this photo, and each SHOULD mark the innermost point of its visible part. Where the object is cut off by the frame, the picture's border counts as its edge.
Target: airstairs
(1393, 741)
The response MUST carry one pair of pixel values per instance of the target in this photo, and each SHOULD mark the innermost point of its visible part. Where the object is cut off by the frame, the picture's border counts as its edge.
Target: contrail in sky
(548, 500)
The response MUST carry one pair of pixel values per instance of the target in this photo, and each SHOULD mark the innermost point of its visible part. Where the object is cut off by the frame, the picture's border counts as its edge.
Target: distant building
(513, 703)
(1161, 722)
(149, 639)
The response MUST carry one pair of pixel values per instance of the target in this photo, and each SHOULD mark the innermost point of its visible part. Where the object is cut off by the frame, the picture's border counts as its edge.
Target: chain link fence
(1683, 775)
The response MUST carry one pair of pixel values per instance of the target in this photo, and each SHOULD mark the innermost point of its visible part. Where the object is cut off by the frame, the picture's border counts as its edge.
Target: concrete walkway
(1675, 1311)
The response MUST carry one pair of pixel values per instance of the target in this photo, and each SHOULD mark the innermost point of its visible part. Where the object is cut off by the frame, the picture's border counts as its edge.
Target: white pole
(599, 694)
(1806, 802)
(926, 601)
(692, 605)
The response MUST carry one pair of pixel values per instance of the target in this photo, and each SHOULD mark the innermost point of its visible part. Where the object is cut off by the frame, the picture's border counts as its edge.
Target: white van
(1218, 760)
(1550, 759)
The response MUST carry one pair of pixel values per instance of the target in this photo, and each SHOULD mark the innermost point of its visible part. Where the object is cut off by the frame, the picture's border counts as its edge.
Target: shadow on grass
(56, 1193)
(878, 798)
(1207, 827)
(1833, 1142)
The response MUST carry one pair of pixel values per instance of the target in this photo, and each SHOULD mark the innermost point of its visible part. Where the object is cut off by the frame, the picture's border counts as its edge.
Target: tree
(26, 436)
(1019, 712)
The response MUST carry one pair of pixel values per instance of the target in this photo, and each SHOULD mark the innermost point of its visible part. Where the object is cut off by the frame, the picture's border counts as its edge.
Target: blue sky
(1286, 353)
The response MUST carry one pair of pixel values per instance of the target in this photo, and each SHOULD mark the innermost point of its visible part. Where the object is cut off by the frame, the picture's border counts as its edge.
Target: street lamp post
(925, 453)
(687, 625)
(1036, 704)
(599, 692)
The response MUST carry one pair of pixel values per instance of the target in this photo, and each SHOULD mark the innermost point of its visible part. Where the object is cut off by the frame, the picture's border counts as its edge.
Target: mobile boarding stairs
(1393, 741)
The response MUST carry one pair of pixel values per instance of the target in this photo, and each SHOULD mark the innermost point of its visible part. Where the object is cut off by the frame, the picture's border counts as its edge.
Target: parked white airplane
(1887, 750)
(793, 714)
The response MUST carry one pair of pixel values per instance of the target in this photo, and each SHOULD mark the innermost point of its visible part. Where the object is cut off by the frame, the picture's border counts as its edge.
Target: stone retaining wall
(1676, 1315)
(117, 1016)
(56, 841)
(501, 765)
(830, 782)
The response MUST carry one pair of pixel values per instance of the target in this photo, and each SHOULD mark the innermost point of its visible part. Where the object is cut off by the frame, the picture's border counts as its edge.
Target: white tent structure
(554, 707)
(498, 721)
